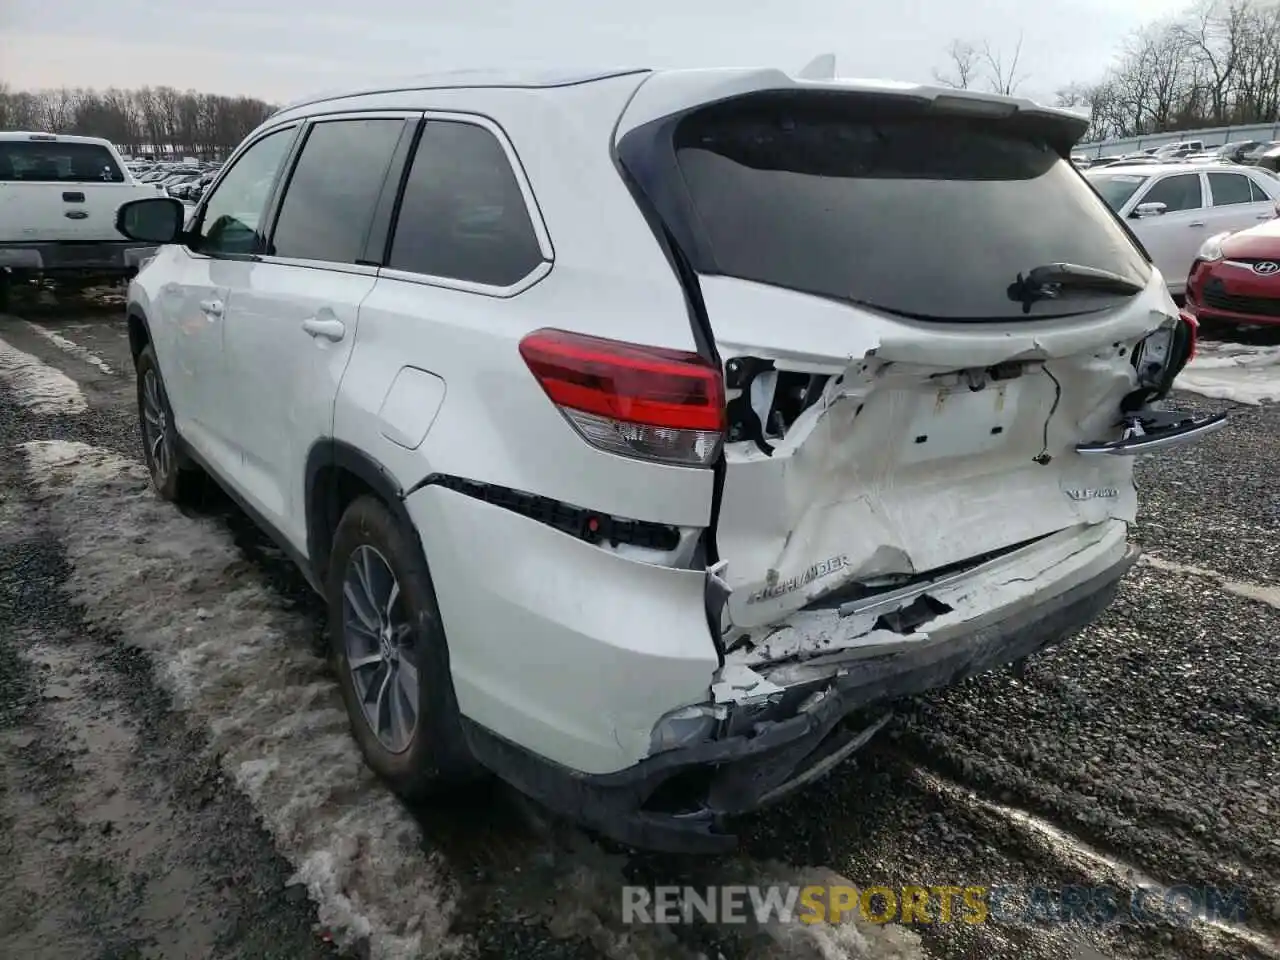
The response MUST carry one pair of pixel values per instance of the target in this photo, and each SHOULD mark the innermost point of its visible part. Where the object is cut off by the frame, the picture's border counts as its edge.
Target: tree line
(1217, 64)
(151, 120)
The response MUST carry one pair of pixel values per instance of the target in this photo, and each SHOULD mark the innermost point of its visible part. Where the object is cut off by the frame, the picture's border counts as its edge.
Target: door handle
(1196, 223)
(1266, 216)
(332, 329)
(211, 308)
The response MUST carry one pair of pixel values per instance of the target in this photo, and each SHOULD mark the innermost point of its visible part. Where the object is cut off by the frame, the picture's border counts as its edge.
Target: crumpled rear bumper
(793, 739)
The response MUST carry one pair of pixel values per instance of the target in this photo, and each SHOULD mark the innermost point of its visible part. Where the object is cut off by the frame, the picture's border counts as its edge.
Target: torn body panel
(921, 448)
(941, 609)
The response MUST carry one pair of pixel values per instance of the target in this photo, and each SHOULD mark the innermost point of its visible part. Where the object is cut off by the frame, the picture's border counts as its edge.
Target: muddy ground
(176, 779)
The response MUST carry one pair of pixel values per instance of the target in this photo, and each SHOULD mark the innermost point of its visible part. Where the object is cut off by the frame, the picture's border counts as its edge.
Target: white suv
(649, 432)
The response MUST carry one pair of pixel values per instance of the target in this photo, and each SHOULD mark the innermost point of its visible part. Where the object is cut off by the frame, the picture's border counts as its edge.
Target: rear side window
(462, 216)
(329, 202)
(43, 161)
(1229, 188)
(924, 216)
(1257, 194)
(1180, 192)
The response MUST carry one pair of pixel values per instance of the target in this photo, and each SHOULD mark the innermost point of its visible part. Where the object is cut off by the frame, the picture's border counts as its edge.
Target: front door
(218, 260)
(291, 324)
(1174, 237)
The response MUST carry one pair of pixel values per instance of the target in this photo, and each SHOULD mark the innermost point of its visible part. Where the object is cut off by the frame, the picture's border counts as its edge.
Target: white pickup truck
(58, 201)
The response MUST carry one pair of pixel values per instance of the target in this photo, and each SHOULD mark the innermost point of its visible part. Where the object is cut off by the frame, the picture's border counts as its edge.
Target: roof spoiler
(822, 67)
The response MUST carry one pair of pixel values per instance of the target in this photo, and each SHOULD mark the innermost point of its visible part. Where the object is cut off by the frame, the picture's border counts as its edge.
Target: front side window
(1179, 192)
(1229, 188)
(1117, 188)
(234, 211)
(51, 161)
(329, 202)
(463, 216)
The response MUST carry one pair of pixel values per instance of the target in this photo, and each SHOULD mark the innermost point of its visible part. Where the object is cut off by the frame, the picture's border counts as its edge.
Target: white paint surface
(37, 386)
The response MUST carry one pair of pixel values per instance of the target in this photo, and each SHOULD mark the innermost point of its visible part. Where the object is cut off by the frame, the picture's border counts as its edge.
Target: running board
(1155, 431)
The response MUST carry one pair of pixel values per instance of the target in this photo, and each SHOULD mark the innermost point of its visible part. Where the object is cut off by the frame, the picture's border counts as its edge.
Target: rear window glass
(929, 217)
(43, 161)
(1117, 188)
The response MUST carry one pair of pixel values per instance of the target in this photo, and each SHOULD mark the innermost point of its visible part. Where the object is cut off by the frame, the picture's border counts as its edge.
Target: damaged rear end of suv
(938, 352)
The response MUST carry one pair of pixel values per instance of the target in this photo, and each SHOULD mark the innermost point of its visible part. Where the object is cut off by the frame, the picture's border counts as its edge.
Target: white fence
(1212, 136)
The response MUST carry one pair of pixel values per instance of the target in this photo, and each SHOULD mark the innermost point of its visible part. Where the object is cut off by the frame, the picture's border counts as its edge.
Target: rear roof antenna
(819, 68)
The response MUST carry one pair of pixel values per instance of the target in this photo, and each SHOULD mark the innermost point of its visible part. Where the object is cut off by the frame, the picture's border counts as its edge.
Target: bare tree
(963, 68)
(971, 64)
(1002, 72)
(155, 120)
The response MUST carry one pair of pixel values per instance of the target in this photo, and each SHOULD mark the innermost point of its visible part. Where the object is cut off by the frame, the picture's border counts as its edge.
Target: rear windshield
(930, 217)
(1117, 188)
(43, 161)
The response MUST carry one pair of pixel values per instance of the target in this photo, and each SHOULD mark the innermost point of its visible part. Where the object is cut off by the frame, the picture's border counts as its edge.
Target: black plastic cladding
(579, 522)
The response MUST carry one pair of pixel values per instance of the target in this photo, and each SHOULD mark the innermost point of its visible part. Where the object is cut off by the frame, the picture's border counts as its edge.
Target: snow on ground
(231, 654)
(1234, 371)
(229, 651)
(38, 386)
(74, 349)
(1263, 593)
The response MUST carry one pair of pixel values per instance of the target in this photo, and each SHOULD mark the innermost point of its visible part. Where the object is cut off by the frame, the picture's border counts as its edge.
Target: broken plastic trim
(589, 525)
(1156, 430)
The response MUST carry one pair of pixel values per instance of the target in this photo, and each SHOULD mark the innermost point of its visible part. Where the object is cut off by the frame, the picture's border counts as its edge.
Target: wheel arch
(139, 328)
(336, 474)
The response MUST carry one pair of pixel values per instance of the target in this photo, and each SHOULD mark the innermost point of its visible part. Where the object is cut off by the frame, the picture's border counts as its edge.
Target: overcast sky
(279, 49)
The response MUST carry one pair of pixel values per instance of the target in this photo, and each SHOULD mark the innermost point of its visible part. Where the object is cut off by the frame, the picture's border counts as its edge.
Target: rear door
(290, 327)
(895, 405)
(1237, 202)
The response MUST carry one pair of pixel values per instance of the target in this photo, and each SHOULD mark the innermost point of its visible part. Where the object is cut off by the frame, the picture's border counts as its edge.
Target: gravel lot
(176, 779)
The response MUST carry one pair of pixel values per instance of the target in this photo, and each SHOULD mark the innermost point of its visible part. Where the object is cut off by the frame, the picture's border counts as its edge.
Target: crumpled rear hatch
(900, 399)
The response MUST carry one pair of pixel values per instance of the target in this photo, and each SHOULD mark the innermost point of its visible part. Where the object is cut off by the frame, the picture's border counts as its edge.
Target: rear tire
(389, 651)
(175, 478)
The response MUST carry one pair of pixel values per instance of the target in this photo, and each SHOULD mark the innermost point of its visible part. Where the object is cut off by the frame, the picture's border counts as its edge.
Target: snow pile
(235, 658)
(71, 347)
(1233, 371)
(37, 386)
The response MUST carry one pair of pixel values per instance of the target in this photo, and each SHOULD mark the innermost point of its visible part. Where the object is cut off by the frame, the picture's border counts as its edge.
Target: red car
(1236, 277)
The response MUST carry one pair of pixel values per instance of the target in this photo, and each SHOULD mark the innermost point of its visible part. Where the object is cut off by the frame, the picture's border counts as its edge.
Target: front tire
(389, 652)
(174, 478)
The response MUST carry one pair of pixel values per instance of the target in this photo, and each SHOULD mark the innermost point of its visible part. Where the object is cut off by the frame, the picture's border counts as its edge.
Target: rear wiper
(1047, 282)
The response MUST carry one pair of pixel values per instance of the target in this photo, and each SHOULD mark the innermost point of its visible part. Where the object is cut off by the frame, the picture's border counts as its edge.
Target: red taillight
(1193, 331)
(638, 401)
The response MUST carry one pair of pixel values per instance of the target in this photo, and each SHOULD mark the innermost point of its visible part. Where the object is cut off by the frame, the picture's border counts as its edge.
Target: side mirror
(1144, 210)
(153, 220)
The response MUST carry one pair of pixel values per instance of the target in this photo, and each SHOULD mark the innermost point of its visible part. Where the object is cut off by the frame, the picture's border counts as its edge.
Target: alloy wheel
(381, 656)
(155, 426)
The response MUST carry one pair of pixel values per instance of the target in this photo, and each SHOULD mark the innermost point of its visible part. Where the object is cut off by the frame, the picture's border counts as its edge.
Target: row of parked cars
(184, 181)
(1210, 228)
(1261, 152)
